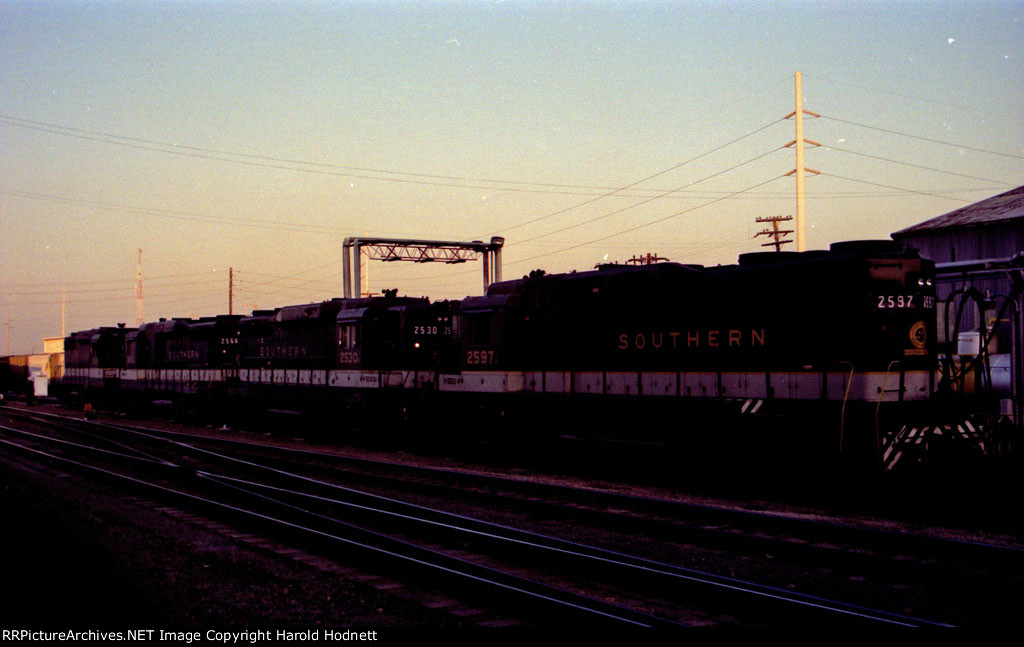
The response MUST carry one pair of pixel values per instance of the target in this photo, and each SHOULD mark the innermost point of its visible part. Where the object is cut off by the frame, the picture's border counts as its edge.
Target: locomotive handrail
(878, 407)
(973, 295)
(842, 410)
(982, 361)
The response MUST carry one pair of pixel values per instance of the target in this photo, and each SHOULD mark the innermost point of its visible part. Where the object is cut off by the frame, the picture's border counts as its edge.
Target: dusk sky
(258, 135)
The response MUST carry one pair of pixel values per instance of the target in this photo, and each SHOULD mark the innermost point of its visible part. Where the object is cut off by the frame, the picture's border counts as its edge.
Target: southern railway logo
(918, 339)
(692, 339)
(918, 334)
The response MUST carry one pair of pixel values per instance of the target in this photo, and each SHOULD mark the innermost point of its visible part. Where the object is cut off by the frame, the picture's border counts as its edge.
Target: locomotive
(828, 348)
(813, 345)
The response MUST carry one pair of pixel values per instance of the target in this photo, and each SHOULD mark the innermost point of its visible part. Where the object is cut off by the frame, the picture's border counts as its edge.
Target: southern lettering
(660, 340)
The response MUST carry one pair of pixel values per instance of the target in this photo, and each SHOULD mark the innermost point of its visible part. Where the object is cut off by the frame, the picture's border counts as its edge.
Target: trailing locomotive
(837, 344)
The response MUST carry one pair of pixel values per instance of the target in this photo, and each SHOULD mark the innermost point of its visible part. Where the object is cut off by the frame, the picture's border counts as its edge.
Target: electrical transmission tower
(798, 146)
(775, 232)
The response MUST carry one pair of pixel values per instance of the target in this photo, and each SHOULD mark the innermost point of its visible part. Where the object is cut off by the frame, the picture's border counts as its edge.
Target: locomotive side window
(478, 328)
(348, 336)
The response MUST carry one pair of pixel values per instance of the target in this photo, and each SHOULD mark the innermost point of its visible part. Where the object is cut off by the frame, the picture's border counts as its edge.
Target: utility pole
(798, 144)
(646, 259)
(63, 309)
(138, 293)
(8, 346)
(231, 290)
(775, 231)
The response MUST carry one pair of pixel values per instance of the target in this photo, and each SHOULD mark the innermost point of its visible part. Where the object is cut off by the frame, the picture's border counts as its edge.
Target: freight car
(825, 349)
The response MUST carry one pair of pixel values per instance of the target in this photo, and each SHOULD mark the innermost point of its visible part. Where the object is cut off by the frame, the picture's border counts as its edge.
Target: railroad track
(226, 498)
(298, 496)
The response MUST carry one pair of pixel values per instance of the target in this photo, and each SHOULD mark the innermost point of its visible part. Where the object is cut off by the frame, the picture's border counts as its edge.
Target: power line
(250, 161)
(277, 277)
(673, 127)
(641, 181)
(98, 281)
(586, 222)
(901, 95)
(123, 289)
(612, 213)
(112, 300)
(917, 166)
(250, 222)
(887, 186)
(926, 139)
(176, 215)
(620, 192)
(647, 224)
(58, 129)
(292, 276)
(319, 168)
(204, 294)
(591, 220)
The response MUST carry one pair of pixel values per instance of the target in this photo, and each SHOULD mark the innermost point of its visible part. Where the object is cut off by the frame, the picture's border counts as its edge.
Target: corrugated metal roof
(1005, 206)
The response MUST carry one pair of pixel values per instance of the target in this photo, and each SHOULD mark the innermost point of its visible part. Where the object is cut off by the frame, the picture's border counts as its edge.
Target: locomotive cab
(371, 332)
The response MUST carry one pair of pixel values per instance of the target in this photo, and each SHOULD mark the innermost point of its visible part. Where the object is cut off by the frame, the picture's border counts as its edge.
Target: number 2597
(890, 301)
(479, 357)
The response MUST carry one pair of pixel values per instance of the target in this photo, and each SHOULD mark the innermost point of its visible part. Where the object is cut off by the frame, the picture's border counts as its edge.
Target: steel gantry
(419, 251)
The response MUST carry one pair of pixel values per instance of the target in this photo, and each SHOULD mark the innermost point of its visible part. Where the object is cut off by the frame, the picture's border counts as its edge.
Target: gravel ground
(81, 557)
(956, 507)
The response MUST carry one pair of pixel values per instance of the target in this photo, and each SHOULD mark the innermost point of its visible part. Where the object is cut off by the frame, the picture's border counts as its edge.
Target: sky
(257, 136)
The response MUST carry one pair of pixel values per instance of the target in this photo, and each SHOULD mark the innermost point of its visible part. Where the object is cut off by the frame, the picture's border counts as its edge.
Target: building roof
(1003, 207)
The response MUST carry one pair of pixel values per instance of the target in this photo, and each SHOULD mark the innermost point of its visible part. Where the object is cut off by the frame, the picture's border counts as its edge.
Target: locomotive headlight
(928, 282)
(920, 283)
(416, 345)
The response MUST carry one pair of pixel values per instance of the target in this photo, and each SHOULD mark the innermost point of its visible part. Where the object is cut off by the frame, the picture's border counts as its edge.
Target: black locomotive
(837, 344)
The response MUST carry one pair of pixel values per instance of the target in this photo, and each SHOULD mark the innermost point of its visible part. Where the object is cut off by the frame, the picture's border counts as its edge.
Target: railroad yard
(161, 524)
(358, 321)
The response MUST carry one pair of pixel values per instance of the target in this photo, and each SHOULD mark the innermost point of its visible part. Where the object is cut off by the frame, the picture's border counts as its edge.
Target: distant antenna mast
(798, 145)
(138, 293)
